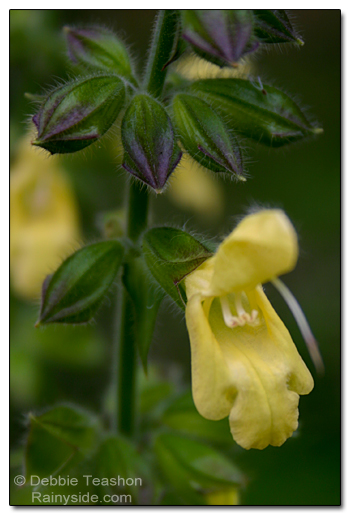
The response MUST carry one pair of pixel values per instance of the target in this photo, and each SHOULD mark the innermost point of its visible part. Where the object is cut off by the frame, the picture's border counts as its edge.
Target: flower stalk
(124, 368)
(161, 51)
(125, 352)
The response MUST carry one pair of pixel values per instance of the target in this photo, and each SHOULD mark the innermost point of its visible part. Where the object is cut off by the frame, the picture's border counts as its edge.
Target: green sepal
(255, 110)
(189, 465)
(221, 36)
(171, 254)
(151, 152)
(205, 136)
(146, 296)
(182, 416)
(77, 114)
(274, 26)
(73, 294)
(58, 439)
(98, 49)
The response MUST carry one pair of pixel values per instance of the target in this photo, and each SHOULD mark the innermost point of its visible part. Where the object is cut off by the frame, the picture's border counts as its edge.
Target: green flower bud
(205, 136)
(97, 48)
(170, 255)
(274, 26)
(73, 294)
(255, 110)
(220, 36)
(78, 113)
(150, 150)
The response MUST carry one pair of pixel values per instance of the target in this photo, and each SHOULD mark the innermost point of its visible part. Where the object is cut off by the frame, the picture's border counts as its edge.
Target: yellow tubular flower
(244, 362)
(43, 219)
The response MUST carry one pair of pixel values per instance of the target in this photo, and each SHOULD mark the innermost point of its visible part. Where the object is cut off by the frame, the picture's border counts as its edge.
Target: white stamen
(254, 317)
(238, 303)
(229, 319)
(303, 325)
(242, 318)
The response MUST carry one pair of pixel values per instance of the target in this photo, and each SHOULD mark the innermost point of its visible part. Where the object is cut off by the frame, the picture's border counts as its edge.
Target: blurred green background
(71, 364)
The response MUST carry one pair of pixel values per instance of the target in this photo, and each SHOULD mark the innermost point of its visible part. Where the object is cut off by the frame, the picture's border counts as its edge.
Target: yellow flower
(43, 219)
(244, 362)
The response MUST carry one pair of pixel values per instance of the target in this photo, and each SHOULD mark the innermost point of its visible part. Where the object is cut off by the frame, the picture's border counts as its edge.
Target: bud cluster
(206, 118)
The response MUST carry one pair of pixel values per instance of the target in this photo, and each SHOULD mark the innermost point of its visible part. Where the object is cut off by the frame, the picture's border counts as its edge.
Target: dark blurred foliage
(71, 364)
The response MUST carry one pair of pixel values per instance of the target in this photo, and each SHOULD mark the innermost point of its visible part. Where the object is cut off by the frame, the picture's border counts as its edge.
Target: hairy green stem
(124, 418)
(162, 47)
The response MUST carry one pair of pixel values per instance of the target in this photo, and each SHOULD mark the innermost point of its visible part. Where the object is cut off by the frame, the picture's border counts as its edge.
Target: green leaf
(171, 254)
(97, 48)
(57, 438)
(255, 110)
(154, 392)
(116, 458)
(146, 297)
(77, 114)
(205, 136)
(77, 289)
(188, 464)
(182, 416)
(274, 26)
(153, 396)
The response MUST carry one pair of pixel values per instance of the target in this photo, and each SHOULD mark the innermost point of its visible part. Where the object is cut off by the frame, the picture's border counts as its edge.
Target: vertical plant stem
(124, 418)
(162, 47)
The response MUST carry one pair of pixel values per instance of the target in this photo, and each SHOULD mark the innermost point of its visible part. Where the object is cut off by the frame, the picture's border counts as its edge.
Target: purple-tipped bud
(75, 115)
(73, 293)
(205, 136)
(220, 36)
(150, 150)
(97, 48)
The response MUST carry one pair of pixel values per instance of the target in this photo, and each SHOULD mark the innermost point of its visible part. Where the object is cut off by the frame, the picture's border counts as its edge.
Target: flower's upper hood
(263, 246)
